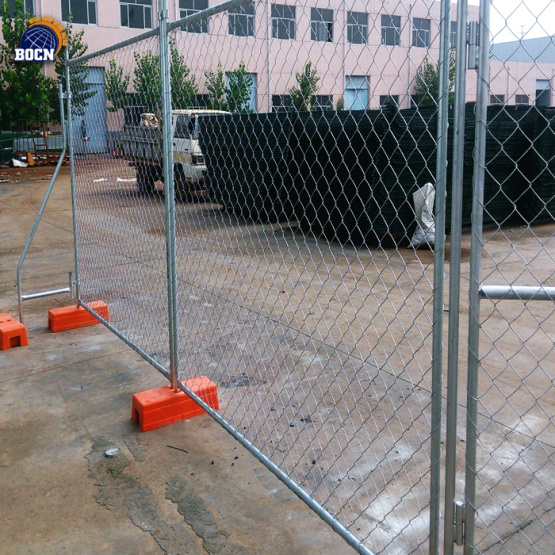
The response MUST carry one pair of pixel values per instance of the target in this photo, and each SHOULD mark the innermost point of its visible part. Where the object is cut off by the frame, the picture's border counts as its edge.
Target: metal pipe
(155, 32)
(517, 293)
(72, 174)
(40, 212)
(45, 294)
(169, 190)
(454, 280)
(439, 276)
(475, 273)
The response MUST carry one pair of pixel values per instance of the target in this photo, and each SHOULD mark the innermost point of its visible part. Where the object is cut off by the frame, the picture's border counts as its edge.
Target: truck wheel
(145, 179)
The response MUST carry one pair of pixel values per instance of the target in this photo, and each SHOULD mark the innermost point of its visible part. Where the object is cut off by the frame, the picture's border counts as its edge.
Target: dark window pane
(92, 13)
(124, 18)
(136, 17)
(65, 10)
(148, 18)
(29, 6)
(79, 11)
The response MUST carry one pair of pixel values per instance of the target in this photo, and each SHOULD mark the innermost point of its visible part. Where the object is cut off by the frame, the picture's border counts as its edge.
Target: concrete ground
(335, 384)
(188, 488)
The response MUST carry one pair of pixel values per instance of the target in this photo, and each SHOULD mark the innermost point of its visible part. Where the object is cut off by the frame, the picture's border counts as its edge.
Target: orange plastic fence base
(162, 406)
(71, 317)
(12, 333)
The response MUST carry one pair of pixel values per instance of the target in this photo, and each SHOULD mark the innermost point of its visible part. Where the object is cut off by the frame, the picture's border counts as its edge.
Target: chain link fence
(272, 227)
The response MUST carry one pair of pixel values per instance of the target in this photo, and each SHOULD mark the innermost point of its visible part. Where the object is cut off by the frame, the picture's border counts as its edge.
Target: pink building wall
(390, 70)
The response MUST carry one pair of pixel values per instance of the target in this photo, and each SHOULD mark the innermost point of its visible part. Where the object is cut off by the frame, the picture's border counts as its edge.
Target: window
(250, 104)
(136, 14)
(241, 20)
(190, 7)
(356, 92)
(283, 22)
(542, 92)
(82, 11)
(357, 27)
(321, 25)
(29, 6)
(453, 34)
(322, 102)
(391, 30)
(389, 100)
(421, 32)
(497, 99)
(281, 102)
(522, 99)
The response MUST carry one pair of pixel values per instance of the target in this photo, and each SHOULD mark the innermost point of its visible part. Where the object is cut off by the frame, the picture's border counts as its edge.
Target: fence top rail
(214, 10)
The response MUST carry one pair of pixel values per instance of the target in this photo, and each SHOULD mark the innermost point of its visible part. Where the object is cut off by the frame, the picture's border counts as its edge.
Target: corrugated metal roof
(528, 50)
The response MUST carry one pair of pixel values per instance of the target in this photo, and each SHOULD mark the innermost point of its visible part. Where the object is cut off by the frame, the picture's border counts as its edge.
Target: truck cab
(142, 145)
(189, 163)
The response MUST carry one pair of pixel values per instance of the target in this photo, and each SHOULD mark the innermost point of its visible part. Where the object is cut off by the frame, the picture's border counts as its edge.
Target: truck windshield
(186, 127)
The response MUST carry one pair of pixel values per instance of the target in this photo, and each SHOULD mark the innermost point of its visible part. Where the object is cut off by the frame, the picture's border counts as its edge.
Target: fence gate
(507, 502)
(261, 217)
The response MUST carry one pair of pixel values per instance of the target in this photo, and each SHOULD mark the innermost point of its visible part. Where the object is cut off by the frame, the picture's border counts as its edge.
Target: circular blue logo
(39, 37)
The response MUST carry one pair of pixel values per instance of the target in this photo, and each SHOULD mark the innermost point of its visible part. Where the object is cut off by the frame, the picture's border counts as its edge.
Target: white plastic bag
(425, 232)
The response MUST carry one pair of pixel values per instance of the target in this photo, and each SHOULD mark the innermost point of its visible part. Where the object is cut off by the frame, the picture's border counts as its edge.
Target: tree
(427, 81)
(24, 90)
(215, 84)
(307, 87)
(146, 81)
(184, 88)
(81, 91)
(238, 90)
(117, 83)
(148, 86)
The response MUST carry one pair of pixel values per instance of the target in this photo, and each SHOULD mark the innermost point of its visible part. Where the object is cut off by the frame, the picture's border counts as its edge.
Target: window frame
(391, 30)
(316, 103)
(284, 23)
(421, 37)
(350, 85)
(453, 34)
(321, 24)
(238, 14)
(496, 99)
(285, 103)
(357, 28)
(146, 8)
(89, 3)
(200, 27)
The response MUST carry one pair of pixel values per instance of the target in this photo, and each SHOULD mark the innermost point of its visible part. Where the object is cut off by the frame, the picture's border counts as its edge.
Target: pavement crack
(118, 491)
(200, 518)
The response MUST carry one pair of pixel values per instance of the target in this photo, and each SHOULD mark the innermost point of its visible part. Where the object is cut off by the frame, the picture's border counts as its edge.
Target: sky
(512, 19)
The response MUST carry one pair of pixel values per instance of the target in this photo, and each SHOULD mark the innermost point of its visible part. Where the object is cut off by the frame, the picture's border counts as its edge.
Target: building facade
(365, 52)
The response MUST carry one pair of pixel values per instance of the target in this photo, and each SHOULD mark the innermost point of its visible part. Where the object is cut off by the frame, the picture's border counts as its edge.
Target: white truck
(142, 145)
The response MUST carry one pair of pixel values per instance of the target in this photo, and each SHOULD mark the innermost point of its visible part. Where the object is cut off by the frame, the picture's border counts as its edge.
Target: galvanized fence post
(454, 279)
(169, 200)
(69, 136)
(475, 276)
(439, 275)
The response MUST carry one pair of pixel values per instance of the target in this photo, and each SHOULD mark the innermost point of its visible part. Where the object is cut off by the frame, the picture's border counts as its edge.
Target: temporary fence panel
(288, 271)
(510, 467)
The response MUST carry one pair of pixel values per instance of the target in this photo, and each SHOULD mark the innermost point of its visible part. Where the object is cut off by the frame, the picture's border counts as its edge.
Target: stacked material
(247, 159)
(537, 203)
(333, 169)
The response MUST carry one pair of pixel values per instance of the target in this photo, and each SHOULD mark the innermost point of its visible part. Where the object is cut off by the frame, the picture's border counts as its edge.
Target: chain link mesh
(515, 426)
(300, 135)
